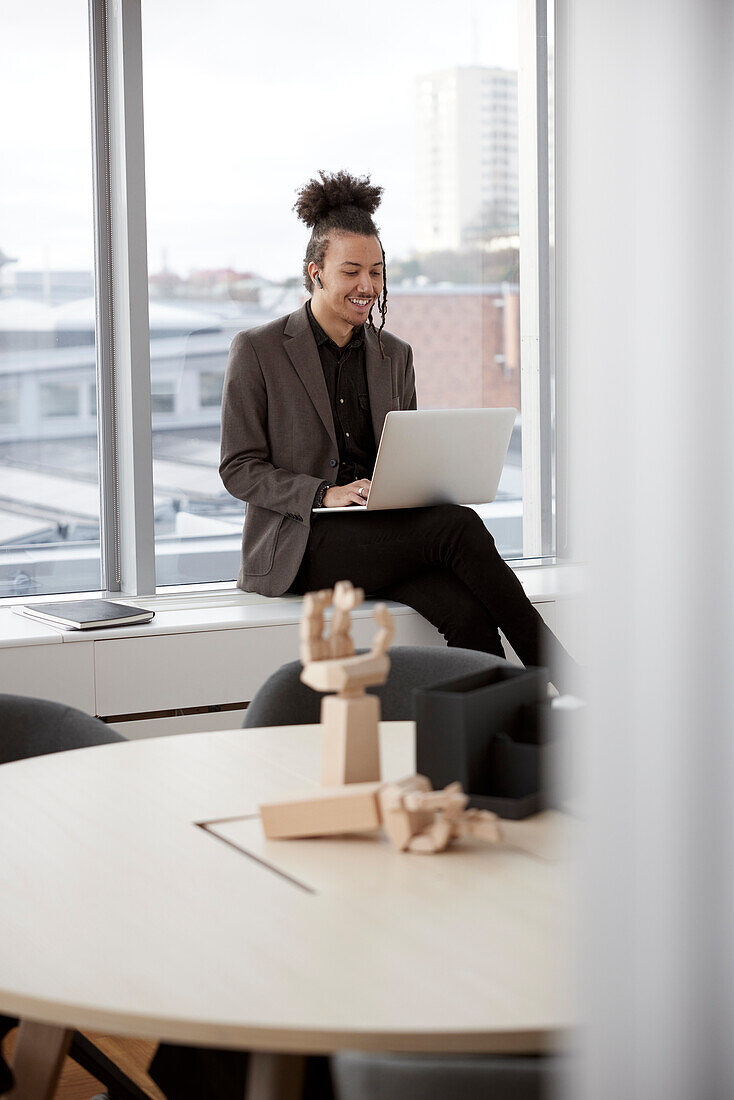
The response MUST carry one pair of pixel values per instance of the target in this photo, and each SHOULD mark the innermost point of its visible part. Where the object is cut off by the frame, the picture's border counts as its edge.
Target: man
(304, 401)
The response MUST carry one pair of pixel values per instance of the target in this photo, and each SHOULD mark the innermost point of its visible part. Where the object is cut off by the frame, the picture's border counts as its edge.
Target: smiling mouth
(360, 302)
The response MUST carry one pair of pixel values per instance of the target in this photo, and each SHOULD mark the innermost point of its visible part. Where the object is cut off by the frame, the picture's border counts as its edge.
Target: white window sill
(234, 610)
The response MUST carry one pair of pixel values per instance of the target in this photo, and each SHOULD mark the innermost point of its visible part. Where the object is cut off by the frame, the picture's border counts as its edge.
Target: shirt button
(332, 462)
(347, 434)
(341, 400)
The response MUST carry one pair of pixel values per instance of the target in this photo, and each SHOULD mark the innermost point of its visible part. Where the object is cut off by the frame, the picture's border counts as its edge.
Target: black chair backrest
(440, 1077)
(284, 701)
(34, 727)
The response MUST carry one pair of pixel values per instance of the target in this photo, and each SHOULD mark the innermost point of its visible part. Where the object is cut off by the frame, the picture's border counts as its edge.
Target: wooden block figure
(349, 717)
(414, 817)
(352, 799)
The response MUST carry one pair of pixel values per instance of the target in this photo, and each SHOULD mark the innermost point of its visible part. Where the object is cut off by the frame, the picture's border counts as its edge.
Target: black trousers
(443, 562)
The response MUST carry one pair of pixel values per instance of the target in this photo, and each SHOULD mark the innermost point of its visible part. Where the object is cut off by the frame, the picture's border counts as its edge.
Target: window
(9, 399)
(210, 389)
(225, 251)
(50, 510)
(58, 399)
(162, 402)
(163, 397)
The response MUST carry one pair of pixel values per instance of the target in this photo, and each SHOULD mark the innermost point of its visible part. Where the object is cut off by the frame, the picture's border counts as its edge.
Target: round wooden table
(139, 897)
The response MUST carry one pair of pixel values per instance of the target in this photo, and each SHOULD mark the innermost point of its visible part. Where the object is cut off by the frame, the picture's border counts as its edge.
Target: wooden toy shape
(384, 636)
(418, 819)
(347, 675)
(414, 817)
(479, 823)
(435, 838)
(351, 809)
(350, 743)
(314, 647)
(399, 823)
(346, 598)
(350, 718)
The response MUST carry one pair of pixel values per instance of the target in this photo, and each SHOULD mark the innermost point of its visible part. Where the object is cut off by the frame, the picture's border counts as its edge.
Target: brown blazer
(278, 437)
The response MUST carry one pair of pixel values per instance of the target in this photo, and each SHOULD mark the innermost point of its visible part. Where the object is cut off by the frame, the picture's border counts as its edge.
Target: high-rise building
(466, 186)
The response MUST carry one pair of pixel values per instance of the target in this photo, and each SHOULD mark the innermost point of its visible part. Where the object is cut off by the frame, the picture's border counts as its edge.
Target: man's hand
(339, 496)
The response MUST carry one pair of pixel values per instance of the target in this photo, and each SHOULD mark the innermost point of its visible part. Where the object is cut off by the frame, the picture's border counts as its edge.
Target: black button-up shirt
(346, 380)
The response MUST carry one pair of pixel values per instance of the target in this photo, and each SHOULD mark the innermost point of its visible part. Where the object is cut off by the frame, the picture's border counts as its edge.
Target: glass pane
(9, 399)
(428, 109)
(59, 399)
(211, 384)
(49, 486)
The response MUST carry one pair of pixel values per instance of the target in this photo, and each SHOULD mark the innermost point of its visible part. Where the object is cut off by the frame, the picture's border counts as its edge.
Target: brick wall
(466, 346)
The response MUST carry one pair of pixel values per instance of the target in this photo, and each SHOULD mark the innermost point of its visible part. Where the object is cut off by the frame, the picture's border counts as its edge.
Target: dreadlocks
(340, 203)
(382, 303)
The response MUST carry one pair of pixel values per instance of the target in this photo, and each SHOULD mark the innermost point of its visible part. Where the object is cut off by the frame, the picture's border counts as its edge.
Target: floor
(131, 1055)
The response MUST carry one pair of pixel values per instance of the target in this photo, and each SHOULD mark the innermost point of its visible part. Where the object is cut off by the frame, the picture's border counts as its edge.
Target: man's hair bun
(335, 204)
(319, 197)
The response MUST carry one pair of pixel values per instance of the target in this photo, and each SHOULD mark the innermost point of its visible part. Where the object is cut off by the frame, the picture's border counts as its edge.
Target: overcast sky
(243, 103)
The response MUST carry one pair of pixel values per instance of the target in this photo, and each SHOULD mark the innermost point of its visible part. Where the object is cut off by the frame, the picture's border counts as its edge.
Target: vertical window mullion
(565, 541)
(122, 297)
(535, 328)
(106, 406)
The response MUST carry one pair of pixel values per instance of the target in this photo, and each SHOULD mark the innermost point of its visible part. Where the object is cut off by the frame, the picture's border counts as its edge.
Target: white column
(644, 120)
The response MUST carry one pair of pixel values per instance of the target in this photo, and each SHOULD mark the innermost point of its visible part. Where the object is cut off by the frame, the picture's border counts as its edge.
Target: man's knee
(460, 517)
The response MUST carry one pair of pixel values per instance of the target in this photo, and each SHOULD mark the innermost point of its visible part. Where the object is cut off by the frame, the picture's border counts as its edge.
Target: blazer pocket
(259, 543)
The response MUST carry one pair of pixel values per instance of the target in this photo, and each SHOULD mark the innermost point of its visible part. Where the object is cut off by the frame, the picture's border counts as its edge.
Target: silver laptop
(437, 456)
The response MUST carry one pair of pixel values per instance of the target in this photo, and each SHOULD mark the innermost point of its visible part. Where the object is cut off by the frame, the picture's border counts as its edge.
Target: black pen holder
(486, 730)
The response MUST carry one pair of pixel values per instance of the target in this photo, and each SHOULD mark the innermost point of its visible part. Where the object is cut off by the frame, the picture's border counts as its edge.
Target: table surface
(140, 897)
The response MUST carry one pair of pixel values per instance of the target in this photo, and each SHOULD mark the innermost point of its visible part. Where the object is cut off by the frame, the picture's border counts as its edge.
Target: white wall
(644, 130)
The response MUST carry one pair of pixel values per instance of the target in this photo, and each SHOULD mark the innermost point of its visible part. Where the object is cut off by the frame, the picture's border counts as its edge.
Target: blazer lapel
(303, 353)
(379, 382)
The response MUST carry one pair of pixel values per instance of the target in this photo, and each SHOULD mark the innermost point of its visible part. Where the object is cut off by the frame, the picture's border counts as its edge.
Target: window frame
(537, 361)
(121, 279)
